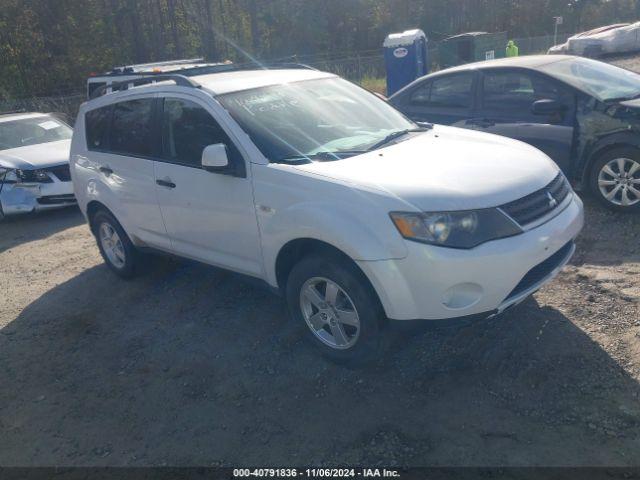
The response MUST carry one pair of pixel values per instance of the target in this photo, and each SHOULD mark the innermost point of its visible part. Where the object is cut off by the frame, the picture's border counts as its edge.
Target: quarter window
(132, 127)
(97, 127)
(187, 129)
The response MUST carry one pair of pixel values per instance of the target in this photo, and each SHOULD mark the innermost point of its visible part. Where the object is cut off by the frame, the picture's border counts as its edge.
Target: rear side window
(132, 128)
(420, 95)
(453, 91)
(187, 129)
(97, 127)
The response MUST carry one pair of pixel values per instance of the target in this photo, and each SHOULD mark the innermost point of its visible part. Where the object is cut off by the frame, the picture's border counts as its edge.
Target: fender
(360, 237)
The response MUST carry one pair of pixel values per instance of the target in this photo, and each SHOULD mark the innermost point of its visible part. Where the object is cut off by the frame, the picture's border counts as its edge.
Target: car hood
(447, 169)
(41, 155)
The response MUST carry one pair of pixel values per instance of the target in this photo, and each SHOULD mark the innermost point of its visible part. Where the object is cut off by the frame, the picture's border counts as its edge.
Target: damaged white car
(34, 163)
(611, 39)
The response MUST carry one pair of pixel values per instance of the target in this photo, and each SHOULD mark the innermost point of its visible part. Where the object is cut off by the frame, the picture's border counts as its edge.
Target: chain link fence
(361, 67)
(67, 105)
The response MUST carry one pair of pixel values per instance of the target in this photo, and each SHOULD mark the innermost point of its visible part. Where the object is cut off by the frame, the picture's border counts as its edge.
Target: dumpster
(405, 58)
(472, 47)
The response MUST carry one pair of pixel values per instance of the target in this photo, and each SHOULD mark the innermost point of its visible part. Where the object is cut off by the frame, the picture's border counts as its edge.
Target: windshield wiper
(400, 133)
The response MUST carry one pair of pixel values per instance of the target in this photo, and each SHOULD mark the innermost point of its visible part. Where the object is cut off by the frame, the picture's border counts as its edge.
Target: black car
(583, 113)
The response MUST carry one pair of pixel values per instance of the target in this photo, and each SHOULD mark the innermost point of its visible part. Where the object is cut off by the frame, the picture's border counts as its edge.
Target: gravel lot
(189, 365)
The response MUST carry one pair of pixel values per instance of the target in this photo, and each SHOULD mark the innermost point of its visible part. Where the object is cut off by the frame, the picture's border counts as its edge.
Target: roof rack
(185, 81)
(271, 65)
(180, 80)
(130, 68)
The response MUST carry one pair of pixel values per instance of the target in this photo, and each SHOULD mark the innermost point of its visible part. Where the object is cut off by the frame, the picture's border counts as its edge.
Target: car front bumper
(16, 198)
(433, 283)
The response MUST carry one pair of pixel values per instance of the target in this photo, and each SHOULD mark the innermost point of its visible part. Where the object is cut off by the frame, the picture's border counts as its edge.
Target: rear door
(210, 216)
(123, 143)
(506, 99)
(446, 99)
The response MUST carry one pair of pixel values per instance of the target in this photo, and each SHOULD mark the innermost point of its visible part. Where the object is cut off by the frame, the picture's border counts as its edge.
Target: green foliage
(51, 46)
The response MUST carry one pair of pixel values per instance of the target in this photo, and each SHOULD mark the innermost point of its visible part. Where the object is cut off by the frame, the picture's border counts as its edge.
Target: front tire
(338, 309)
(116, 249)
(615, 179)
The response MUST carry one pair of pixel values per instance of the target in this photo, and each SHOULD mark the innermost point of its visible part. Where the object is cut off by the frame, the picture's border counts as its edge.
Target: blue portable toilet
(405, 58)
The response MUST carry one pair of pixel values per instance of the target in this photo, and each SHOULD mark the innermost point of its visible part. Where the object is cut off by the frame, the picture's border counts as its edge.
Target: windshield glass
(31, 131)
(602, 80)
(312, 117)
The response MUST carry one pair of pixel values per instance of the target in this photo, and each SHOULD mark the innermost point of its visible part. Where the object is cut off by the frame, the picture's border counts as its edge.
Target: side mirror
(214, 157)
(547, 107)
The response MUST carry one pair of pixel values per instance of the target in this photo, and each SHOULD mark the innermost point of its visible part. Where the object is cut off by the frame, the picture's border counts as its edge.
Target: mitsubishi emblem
(552, 201)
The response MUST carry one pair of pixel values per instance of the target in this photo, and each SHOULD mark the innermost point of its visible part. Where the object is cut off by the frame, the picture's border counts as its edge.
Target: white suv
(327, 193)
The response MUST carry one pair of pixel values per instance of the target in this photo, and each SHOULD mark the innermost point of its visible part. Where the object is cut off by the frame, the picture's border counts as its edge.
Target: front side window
(32, 131)
(132, 127)
(313, 117)
(187, 129)
(513, 90)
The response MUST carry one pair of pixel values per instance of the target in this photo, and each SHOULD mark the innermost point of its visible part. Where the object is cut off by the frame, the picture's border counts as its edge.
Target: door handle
(166, 183)
(106, 170)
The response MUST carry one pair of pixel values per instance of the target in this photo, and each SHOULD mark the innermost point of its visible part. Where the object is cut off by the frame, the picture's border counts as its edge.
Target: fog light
(463, 295)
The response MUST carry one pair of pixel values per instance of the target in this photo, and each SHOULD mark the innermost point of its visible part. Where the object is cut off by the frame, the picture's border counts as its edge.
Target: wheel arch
(93, 207)
(604, 146)
(295, 250)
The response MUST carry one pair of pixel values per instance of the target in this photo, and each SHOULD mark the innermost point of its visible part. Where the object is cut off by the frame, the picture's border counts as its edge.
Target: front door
(209, 216)
(506, 99)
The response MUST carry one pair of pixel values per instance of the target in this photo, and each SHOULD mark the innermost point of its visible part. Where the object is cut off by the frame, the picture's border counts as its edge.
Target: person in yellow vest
(512, 49)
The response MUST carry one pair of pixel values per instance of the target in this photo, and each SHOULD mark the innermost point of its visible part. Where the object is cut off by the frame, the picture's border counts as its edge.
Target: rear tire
(116, 248)
(615, 179)
(336, 306)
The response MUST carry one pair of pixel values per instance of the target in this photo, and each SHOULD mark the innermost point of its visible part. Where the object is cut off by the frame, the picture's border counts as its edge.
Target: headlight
(465, 229)
(33, 176)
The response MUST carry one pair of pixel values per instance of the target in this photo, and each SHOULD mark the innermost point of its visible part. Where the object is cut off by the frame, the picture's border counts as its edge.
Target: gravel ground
(190, 365)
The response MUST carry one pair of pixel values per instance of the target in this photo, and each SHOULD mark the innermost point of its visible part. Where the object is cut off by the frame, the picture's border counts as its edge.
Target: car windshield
(327, 118)
(602, 80)
(31, 131)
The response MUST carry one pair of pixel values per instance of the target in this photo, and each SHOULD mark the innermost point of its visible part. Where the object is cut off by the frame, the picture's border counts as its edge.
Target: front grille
(539, 203)
(57, 199)
(61, 172)
(542, 270)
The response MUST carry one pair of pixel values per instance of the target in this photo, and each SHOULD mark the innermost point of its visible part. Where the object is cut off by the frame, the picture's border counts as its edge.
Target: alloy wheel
(619, 181)
(329, 313)
(112, 245)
